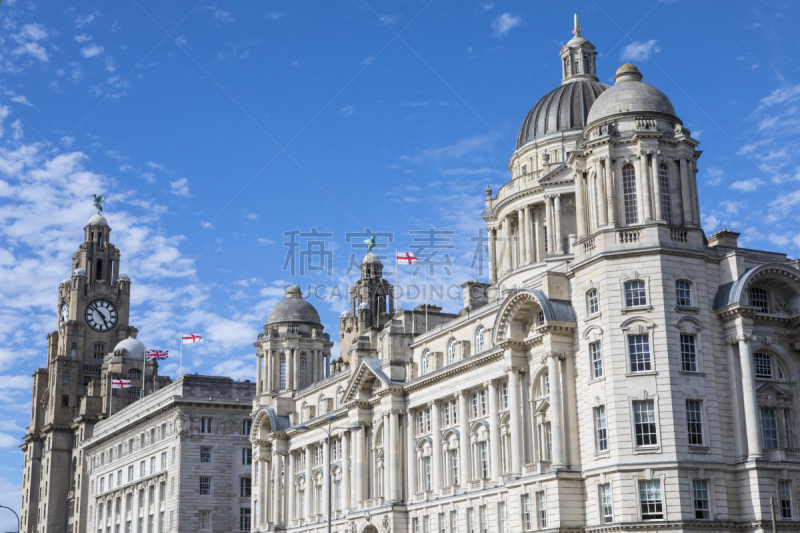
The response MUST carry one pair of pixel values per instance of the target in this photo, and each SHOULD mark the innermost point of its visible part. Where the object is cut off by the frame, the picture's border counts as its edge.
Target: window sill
(636, 309)
(695, 448)
(687, 309)
(593, 317)
(597, 380)
(645, 373)
(646, 449)
(687, 373)
(602, 455)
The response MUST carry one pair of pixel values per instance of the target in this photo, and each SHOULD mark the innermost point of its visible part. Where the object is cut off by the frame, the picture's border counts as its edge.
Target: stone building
(621, 370)
(177, 460)
(93, 345)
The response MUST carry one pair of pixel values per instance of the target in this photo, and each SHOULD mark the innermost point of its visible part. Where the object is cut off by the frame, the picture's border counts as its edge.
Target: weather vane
(370, 243)
(98, 202)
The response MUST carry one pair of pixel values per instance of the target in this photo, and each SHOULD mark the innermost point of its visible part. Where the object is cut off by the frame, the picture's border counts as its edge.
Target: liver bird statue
(98, 202)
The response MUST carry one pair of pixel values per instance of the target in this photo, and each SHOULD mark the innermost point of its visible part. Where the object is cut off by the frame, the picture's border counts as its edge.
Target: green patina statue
(98, 203)
(370, 243)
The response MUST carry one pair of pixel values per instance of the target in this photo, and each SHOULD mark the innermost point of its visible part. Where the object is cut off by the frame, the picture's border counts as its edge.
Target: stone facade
(177, 460)
(621, 370)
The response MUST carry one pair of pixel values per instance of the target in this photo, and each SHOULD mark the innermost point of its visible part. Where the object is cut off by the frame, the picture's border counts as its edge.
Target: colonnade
(268, 371)
(747, 437)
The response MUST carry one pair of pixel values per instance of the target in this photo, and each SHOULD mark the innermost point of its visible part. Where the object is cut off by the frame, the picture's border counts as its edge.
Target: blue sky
(214, 128)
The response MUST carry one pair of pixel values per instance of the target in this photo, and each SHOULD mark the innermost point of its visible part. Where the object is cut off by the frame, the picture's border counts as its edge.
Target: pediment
(369, 376)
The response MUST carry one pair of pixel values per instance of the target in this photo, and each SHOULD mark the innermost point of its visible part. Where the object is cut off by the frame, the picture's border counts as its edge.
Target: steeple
(577, 57)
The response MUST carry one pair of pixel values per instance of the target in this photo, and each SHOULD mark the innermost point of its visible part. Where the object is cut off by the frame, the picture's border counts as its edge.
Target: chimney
(724, 238)
(475, 294)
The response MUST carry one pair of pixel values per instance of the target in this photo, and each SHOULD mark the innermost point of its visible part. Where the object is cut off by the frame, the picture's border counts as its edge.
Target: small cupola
(578, 58)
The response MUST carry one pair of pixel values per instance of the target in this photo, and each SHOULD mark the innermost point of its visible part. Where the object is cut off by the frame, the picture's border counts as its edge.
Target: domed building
(621, 371)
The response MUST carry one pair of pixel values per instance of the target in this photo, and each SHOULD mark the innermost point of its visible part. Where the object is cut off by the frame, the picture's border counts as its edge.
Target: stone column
(750, 399)
(529, 240)
(515, 426)
(523, 237)
(463, 439)
(686, 194)
(437, 446)
(695, 193)
(580, 202)
(495, 468)
(612, 209)
(548, 223)
(602, 203)
(259, 378)
(656, 186)
(345, 471)
(591, 211)
(507, 243)
(387, 439)
(647, 200)
(360, 480)
(411, 456)
(556, 421)
(291, 488)
(557, 229)
(492, 255)
(262, 490)
(326, 476)
(537, 232)
(276, 489)
(268, 372)
(395, 492)
(309, 494)
(735, 398)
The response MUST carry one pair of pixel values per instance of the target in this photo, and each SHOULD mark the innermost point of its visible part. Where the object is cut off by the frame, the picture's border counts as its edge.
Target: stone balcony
(651, 235)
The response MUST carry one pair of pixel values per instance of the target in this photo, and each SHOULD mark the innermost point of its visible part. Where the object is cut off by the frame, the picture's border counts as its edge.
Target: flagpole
(110, 385)
(144, 373)
(396, 286)
(426, 300)
(180, 372)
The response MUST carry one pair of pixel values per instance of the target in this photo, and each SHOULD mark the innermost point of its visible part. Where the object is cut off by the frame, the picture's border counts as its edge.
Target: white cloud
(390, 19)
(180, 187)
(82, 20)
(92, 51)
(747, 185)
(273, 15)
(368, 60)
(251, 216)
(640, 51)
(21, 100)
(504, 24)
(347, 110)
(715, 176)
(28, 39)
(264, 241)
(83, 38)
(781, 95)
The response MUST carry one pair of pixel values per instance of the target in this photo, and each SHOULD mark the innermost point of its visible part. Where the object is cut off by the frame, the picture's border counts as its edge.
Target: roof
(555, 310)
(630, 95)
(293, 309)
(565, 108)
(731, 293)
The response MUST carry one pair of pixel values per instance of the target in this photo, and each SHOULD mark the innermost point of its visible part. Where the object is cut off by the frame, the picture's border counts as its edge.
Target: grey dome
(563, 109)
(79, 272)
(371, 258)
(293, 309)
(630, 95)
(98, 219)
(133, 348)
(123, 277)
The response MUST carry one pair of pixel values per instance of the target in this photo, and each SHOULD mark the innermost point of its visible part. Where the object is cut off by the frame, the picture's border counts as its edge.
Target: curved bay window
(629, 194)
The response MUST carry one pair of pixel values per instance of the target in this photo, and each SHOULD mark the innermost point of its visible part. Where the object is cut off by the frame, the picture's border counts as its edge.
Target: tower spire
(577, 30)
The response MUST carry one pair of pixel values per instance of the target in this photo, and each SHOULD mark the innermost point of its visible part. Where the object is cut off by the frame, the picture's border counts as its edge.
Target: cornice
(454, 370)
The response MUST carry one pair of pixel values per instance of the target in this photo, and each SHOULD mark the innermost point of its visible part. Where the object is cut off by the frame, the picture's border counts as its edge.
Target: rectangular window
(205, 519)
(769, 425)
(205, 425)
(758, 298)
(694, 422)
(596, 355)
(785, 495)
(205, 486)
(484, 459)
(205, 455)
(788, 427)
(763, 365)
(541, 502)
(688, 353)
(282, 371)
(152, 465)
(504, 395)
(639, 351)
(245, 487)
(453, 522)
(162, 491)
(702, 507)
(483, 402)
(421, 416)
(502, 527)
(426, 524)
(442, 523)
(163, 460)
(454, 466)
(650, 500)
(683, 293)
(606, 507)
(484, 519)
(415, 524)
(247, 456)
(601, 434)
(592, 304)
(526, 512)
(247, 425)
(426, 463)
(474, 405)
(130, 473)
(446, 415)
(471, 520)
(629, 194)
(645, 423)
(635, 294)
(428, 420)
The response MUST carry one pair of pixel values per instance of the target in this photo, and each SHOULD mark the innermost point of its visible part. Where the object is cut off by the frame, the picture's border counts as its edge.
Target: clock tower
(93, 345)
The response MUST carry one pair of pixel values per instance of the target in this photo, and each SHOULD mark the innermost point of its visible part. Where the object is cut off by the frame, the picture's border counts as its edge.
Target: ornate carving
(353, 527)
(386, 524)
(183, 424)
(554, 355)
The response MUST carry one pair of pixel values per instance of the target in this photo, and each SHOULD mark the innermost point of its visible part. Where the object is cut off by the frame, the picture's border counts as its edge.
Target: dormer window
(585, 65)
(758, 298)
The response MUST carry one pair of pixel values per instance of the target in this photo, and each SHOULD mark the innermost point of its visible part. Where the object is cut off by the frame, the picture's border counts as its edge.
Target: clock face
(101, 315)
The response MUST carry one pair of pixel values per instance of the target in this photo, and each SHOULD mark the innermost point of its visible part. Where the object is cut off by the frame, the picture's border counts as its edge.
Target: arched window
(585, 65)
(65, 378)
(566, 73)
(304, 412)
(763, 365)
(663, 189)
(303, 370)
(322, 406)
(282, 371)
(683, 293)
(425, 362)
(592, 305)
(479, 339)
(629, 194)
(451, 352)
(339, 396)
(540, 317)
(543, 386)
(759, 298)
(635, 293)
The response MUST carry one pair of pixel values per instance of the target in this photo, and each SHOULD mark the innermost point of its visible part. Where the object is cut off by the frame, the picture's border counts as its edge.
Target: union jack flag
(157, 355)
